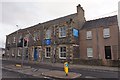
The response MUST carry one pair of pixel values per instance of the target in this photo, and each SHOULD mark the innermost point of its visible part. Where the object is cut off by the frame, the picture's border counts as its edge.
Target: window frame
(46, 52)
(89, 53)
(14, 39)
(62, 52)
(62, 32)
(19, 55)
(89, 34)
(106, 32)
(13, 54)
(48, 34)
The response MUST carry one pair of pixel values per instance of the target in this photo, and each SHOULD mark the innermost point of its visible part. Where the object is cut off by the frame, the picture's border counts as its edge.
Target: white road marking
(89, 77)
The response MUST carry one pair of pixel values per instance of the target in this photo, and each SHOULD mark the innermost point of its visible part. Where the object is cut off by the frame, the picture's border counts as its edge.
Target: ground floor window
(47, 52)
(62, 52)
(18, 53)
(13, 53)
(90, 52)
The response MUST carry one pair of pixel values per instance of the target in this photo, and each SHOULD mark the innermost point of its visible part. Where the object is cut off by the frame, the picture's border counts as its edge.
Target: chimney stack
(79, 8)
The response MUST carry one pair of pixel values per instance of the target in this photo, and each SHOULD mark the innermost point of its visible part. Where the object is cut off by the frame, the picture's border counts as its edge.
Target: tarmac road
(86, 73)
(12, 74)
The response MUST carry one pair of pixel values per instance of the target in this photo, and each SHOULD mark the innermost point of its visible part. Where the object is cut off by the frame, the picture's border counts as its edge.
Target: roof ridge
(102, 18)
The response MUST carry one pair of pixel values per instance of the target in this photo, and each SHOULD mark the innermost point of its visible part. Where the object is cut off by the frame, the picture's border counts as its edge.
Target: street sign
(47, 41)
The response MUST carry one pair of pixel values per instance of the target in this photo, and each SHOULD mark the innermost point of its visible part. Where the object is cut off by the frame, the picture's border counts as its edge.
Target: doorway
(35, 54)
(108, 52)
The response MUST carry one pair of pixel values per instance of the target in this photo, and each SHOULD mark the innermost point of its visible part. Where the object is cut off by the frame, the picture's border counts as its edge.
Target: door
(107, 52)
(35, 54)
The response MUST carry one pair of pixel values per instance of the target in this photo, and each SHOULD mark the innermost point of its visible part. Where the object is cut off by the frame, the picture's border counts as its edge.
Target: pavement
(71, 66)
(54, 74)
(61, 75)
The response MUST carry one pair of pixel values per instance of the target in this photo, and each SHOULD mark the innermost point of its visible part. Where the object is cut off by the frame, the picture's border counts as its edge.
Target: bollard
(66, 68)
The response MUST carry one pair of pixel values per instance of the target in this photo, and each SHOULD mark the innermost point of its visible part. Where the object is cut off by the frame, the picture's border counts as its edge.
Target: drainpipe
(97, 43)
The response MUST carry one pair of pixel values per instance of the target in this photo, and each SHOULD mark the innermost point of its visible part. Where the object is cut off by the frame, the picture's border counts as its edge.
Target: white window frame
(89, 35)
(89, 52)
(48, 34)
(13, 53)
(106, 32)
(47, 52)
(18, 53)
(62, 52)
(62, 32)
(20, 37)
(35, 36)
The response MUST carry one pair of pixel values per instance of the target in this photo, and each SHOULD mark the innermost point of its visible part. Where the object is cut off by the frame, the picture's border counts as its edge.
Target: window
(62, 32)
(62, 52)
(47, 52)
(89, 34)
(48, 34)
(35, 36)
(26, 40)
(14, 40)
(18, 53)
(20, 38)
(106, 33)
(89, 52)
(13, 53)
(8, 42)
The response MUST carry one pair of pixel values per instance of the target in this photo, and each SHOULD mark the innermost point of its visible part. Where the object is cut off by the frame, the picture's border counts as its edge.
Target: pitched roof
(106, 21)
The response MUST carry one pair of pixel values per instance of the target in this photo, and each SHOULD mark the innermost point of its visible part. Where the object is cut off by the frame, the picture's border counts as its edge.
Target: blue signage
(75, 32)
(47, 41)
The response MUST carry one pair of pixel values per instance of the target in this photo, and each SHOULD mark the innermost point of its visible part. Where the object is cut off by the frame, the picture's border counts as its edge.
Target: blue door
(35, 54)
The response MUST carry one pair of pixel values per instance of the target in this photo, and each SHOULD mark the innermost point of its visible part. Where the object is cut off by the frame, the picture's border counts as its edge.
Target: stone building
(69, 38)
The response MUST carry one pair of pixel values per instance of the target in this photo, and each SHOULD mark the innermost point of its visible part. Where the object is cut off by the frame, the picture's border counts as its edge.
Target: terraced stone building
(69, 38)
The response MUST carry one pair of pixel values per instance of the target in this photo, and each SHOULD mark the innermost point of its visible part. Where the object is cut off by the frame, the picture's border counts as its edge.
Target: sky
(26, 13)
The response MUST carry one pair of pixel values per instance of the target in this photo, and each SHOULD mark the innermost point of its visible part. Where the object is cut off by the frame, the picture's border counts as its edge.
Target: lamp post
(54, 53)
(16, 40)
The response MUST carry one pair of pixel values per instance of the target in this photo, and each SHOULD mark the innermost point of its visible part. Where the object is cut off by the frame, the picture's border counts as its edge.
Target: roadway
(86, 73)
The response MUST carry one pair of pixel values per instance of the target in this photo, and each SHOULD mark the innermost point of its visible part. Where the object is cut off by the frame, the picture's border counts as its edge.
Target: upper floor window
(36, 36)
(89, 52)
(47, 52)
(48, 34)
(62, 52)
(62, 32)
(89, 35)
(20, 38)
(8, 42)
(14, 39)
(106, 32)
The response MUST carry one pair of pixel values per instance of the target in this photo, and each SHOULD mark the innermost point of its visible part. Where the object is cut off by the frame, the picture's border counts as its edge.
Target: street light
(17, 39)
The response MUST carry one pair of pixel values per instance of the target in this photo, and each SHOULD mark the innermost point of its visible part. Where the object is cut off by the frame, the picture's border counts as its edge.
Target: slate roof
(50, 22)
(55, 21)
(105, 22)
